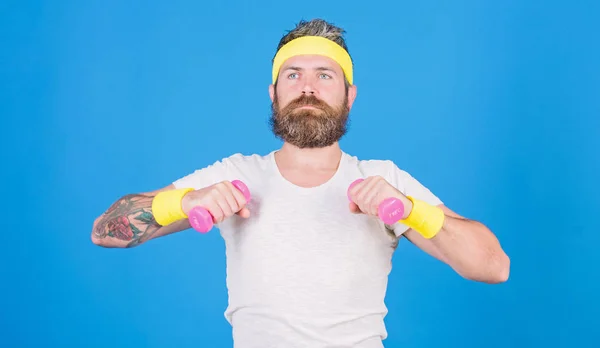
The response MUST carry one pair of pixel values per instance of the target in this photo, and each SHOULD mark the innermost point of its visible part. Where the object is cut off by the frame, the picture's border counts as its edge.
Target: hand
(222, 200)
(367, 195)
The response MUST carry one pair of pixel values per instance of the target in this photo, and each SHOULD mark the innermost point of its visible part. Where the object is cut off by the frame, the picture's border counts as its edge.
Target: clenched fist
(367, 195)
(222, 200)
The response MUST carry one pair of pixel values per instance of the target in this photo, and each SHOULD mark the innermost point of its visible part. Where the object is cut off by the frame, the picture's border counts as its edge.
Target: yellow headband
(313, 45)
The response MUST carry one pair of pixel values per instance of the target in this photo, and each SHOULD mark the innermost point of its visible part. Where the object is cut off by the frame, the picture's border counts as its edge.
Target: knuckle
(226, 208)
(217, 214)
(214, 195)
(238, 205)
(226, 184)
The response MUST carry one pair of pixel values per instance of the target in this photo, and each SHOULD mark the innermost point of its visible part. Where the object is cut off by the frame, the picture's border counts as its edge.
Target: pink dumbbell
(389, 211)
(202, 221)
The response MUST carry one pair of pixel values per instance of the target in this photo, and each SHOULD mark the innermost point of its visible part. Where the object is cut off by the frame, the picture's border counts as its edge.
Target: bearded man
(308, 246)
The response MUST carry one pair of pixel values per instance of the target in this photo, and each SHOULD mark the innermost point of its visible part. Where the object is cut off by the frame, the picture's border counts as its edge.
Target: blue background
(495, 105)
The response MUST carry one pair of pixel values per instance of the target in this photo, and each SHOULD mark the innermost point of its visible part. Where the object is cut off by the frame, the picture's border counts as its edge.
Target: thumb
(245, 213)
(354, 208)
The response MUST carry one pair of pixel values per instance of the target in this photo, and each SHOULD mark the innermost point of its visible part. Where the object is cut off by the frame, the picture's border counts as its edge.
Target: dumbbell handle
(200, 218)
(390, 211)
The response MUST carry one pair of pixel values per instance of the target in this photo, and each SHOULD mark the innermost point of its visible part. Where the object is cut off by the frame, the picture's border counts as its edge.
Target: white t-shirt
(303, 271)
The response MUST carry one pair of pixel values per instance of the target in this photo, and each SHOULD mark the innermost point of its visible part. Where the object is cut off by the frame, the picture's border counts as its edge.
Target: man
(308, 259)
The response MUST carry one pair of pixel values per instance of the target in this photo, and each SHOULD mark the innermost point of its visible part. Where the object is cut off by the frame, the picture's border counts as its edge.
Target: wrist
(408, 206)
(424, 218)
(167, 206)
(186, 203)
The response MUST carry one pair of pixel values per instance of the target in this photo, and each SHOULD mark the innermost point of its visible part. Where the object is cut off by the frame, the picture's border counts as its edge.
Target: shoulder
(383, 167)
(394, 174)
(235, 166)
(238, 160)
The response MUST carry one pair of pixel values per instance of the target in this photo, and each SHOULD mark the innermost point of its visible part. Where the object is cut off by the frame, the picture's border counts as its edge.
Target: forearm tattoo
(129, 219)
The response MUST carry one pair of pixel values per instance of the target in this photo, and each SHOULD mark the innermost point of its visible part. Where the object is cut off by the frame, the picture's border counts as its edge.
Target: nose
(308, 87)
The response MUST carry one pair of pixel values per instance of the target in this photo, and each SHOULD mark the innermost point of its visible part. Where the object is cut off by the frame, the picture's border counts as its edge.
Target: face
(311, 103)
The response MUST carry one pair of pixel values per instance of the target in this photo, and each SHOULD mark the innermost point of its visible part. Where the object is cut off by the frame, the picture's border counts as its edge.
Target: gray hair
(315, 27)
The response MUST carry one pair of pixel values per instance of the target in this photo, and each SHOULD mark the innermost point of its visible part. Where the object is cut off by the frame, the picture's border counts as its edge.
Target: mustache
(307, 100)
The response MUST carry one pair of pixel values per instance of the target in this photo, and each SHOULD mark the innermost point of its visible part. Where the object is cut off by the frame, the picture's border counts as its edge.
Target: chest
(307, 225)
(307, 178)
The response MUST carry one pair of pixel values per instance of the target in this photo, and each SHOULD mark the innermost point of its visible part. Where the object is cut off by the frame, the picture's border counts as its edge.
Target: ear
(351, 95)
(272, 92)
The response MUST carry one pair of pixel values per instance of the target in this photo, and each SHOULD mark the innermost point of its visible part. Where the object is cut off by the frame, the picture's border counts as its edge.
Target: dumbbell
(200, 218)
(390, 211)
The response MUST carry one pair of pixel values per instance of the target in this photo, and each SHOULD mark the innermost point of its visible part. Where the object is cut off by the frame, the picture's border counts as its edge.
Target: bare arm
(129, 222)
(467, 246)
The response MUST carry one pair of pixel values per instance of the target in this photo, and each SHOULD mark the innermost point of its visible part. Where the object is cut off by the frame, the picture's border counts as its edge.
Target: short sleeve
(203, 177)
(410, 186)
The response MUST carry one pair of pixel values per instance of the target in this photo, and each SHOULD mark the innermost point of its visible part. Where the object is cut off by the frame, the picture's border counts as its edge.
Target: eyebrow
(320, 68)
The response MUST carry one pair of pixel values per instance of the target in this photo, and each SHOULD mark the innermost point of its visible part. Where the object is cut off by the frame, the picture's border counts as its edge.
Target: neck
(317, 158)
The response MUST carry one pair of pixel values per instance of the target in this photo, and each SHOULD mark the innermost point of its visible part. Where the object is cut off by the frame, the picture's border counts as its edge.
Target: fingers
(214, 208)
(354, 208)
(228, 199)
(239, 203)
(369, 193)
(224, 200)
(245, 213)
(357, 193)
(366, 195)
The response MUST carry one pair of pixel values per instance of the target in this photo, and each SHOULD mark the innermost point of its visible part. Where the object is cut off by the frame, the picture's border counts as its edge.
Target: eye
(293, 76)
(324, 76)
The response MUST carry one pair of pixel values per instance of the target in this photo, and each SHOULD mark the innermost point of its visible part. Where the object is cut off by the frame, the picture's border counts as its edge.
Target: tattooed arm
(129, 222)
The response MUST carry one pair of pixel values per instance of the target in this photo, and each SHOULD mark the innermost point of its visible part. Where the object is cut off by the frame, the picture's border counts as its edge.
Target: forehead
(310, 62)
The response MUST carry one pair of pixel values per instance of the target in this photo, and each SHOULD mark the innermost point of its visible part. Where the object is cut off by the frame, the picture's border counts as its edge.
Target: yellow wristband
(166, 206)
(424, 218)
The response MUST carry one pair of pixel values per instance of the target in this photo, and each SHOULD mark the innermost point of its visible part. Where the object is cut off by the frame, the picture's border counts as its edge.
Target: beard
(309, 128)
